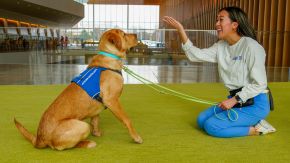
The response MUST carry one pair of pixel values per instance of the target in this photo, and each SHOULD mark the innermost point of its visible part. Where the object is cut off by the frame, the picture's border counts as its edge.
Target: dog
(62, 126)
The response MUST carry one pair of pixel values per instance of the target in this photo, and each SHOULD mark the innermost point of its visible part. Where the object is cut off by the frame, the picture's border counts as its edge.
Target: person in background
(61, 42)
(66, 41)
(241, 66)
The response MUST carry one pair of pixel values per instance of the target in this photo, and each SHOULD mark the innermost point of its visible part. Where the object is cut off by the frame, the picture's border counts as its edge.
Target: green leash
(164, 90)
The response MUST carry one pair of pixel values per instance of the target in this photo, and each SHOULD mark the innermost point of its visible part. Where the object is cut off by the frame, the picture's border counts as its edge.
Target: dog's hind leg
(95, 125)
(86, 144)
(69, 133)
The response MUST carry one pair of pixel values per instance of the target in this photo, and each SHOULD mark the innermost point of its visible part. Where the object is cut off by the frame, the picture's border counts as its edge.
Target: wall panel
(286, 43)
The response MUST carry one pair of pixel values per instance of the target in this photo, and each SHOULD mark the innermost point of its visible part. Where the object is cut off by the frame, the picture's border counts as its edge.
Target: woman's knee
(211, 127)
(201, 120)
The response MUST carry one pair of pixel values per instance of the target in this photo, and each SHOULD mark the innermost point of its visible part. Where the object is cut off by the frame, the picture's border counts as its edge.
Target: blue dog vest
(89, 81)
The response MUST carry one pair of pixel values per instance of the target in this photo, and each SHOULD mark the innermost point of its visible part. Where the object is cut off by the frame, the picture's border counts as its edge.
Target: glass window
(116, 16)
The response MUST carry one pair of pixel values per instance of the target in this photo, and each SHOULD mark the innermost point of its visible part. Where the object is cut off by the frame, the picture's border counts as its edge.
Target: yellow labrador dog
(98, 87)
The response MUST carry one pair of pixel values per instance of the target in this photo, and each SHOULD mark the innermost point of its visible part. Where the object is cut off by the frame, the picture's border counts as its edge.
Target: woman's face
(224, 26)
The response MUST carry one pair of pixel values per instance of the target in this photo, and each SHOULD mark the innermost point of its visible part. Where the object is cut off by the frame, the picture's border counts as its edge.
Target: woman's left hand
(228, 103)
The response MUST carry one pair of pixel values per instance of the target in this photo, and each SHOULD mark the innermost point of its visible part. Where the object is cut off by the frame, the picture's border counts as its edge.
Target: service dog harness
(89, 81)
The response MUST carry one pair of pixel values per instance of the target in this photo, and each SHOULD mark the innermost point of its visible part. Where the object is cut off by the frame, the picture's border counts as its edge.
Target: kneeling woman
(241, 65)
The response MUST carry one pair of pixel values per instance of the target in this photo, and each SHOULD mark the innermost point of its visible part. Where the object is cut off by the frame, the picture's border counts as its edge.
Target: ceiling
(131, 2)
(23, 9)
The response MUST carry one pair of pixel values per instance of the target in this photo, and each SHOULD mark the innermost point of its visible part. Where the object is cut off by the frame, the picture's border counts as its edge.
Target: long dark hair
(236, 14)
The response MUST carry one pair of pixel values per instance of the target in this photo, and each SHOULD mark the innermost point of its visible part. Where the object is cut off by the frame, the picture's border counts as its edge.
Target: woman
(241, 65)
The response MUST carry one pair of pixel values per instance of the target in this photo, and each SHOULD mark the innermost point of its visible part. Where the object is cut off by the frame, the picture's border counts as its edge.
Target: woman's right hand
(178, 26)
(173, 23)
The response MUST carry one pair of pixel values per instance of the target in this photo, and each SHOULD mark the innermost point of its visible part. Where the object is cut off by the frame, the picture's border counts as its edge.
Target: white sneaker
(264, 127)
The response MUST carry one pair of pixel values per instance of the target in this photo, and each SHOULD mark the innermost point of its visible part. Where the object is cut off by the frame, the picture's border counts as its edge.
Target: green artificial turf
(167, 125)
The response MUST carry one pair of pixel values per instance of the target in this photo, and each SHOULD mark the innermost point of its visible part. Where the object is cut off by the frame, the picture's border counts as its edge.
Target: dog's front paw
(138, 140)
(97, 133)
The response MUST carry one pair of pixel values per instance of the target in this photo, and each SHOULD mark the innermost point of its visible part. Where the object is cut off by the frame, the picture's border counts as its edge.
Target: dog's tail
(28, 136)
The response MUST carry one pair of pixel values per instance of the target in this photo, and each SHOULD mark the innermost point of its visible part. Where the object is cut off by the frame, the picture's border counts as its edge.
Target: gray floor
(37, 68)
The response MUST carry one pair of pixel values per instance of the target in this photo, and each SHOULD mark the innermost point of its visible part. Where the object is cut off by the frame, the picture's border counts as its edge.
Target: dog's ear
(115, 39)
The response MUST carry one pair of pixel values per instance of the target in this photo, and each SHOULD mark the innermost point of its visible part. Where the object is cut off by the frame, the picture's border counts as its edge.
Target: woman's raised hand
(178, 26)
(173, 23)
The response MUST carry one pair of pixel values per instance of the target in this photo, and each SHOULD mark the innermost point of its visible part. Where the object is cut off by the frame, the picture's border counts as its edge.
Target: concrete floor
(37, 68)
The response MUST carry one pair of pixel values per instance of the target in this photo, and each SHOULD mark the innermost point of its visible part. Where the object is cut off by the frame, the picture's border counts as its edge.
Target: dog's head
(117, 42)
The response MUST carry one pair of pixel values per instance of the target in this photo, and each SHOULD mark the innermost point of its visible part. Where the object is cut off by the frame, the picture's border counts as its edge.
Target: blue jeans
(247, 117)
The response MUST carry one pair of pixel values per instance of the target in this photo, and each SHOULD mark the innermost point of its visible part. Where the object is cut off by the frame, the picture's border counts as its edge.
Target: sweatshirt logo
(237, 58)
